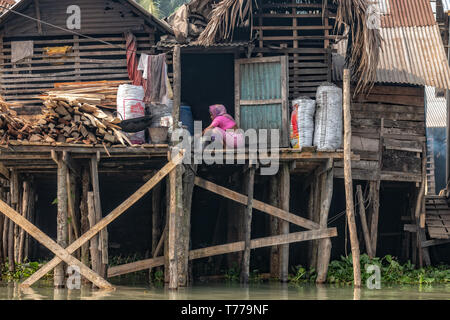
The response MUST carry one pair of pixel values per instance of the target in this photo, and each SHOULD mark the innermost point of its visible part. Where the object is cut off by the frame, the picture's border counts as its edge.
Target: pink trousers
(230, 138)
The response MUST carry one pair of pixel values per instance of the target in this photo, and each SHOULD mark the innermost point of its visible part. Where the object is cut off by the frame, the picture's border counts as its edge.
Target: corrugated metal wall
(261, 81)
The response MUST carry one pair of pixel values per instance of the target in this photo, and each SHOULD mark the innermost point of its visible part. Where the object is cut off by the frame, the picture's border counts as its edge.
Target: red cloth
(132, 63)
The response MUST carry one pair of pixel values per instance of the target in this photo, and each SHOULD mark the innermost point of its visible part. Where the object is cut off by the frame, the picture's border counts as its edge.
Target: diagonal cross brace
(107, 220)
(258, 205)
(53, 246)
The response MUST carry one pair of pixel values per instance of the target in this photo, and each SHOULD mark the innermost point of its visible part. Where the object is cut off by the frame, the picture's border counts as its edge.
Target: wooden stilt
(362, 214)
(187, 190)
(172, 245)
(314, 245)
(61, 221)
(5, 238)
(324, 249)
(94, 247)
(375, 191)
(25, 203)
(274, 230)
(156, 220)
(285, 186)
(84, 213)
(349, 180)
(166, 236)
(103, 236)
(14, 192)
(30, 217)
(245, 265)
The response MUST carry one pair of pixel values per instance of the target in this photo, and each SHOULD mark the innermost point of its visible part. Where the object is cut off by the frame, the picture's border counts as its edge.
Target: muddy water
(265, 291)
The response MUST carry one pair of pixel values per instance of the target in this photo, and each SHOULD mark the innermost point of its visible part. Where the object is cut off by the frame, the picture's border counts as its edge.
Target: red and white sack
(130, 105)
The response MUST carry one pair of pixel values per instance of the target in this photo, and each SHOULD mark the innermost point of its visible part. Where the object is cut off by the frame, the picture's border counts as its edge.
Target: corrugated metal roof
(446, 5)
(406, 13)
(5, 4)
(412, 55)
(436, 109)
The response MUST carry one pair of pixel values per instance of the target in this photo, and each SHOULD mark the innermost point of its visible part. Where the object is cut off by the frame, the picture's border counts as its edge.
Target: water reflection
(226, 291)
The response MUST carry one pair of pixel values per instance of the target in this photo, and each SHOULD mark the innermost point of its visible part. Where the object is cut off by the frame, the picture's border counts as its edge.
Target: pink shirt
(223, 123)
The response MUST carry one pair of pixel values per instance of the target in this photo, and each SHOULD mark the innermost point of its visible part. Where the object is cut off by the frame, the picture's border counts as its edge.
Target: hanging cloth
(132, 64)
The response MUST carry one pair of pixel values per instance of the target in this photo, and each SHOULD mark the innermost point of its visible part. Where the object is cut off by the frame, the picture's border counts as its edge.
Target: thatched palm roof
(365, 43)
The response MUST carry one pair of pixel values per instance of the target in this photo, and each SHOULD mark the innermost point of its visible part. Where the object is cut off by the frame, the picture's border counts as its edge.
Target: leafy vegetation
(234, 275)
(23, 271)
(392, 272)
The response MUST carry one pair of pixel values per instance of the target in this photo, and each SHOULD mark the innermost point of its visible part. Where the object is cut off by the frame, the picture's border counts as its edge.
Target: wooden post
(375, 191)
(14, 192)
(173, 268)
(31, 218)
(362, 214)
(284, 188)
(61, 221)
(5, 230)
(25, 202)
(95, 254)
(314, 244)
(274, 230)
(166, 235)
(156, 219)
(349, 180)
(103, 236)
(84, 213)
(187, 190)
(324, 249)
(245, 265)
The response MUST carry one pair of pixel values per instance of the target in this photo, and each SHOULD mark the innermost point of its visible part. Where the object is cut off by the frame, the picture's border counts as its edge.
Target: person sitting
(223, 128)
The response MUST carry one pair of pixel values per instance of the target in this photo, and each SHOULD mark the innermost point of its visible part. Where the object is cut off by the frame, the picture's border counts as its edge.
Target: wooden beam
(227, 248)
(38, 16)
(258, 205)
(349, 181)
(53, 246)
(4, 171)
(108, 219)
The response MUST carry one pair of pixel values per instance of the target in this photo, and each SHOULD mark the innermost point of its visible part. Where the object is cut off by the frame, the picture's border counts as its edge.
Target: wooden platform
(438, 217)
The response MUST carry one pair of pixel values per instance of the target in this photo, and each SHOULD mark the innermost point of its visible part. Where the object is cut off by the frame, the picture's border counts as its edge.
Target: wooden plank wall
(403, 134)
(302, 31)
(88, 60)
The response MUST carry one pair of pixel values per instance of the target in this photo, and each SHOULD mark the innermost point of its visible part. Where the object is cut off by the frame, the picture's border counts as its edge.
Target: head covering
(219, 110)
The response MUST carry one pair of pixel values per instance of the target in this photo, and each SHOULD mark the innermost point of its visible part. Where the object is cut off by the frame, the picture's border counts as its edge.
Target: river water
(263, 291)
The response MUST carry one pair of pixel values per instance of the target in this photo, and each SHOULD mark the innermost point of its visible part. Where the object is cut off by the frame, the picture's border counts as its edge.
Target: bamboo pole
(349, 181)
(245, 266)
(14, 193)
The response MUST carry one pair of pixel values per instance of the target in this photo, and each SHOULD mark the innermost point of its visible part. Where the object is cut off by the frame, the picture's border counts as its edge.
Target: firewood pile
(64, 119)
(103, 94)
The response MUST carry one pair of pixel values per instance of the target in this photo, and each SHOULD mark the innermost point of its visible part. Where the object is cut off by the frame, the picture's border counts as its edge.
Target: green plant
(392, 272)
(233, 274)
(22, 270)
